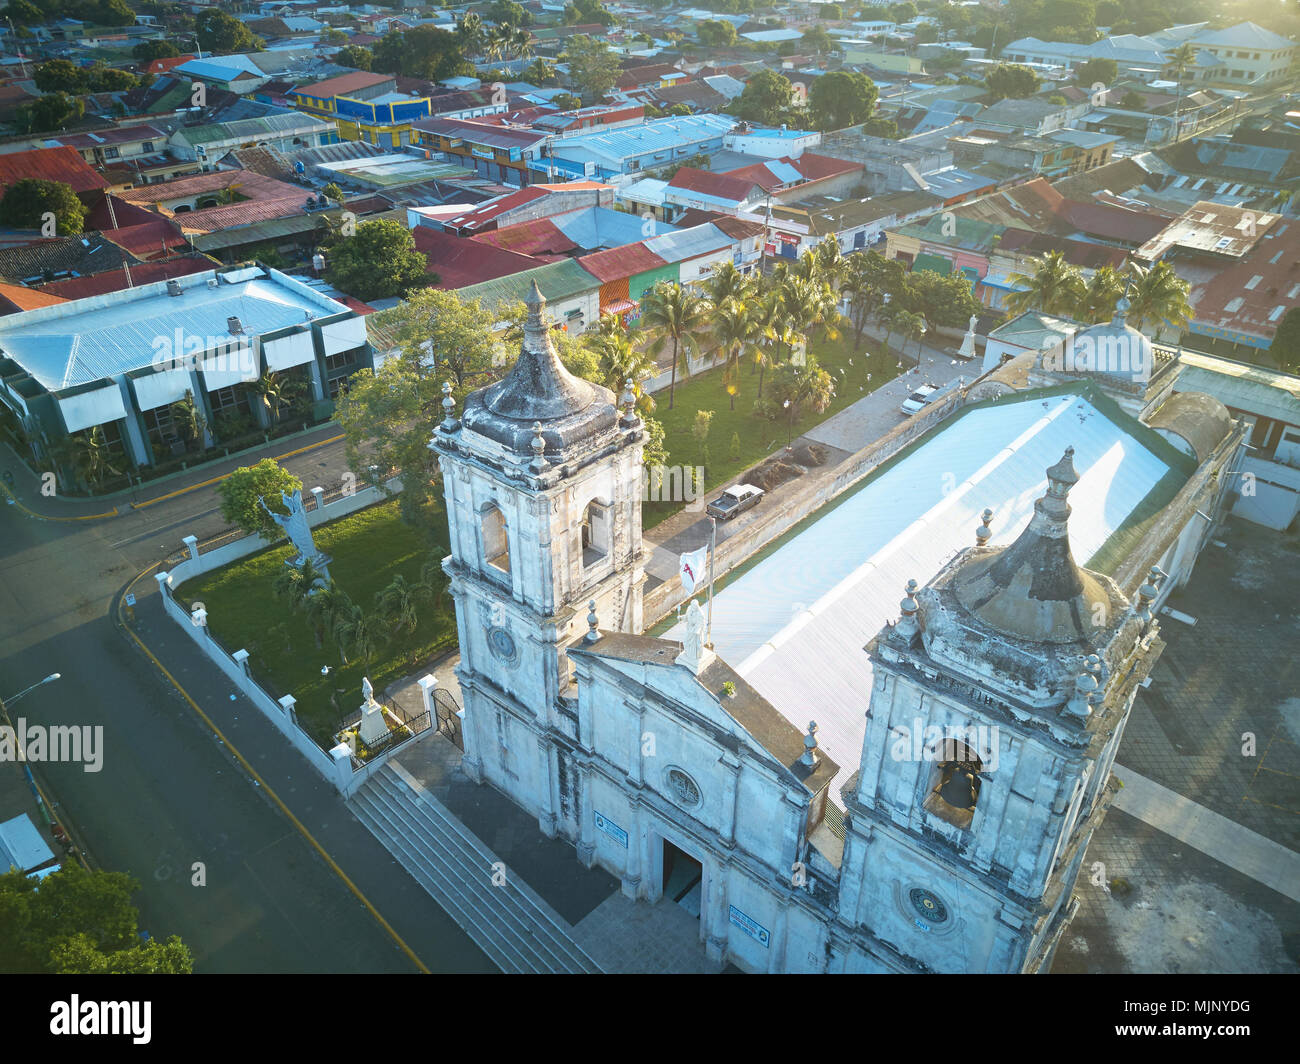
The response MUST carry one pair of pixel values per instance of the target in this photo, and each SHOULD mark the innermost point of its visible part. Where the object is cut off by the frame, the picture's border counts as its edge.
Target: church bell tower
(542, 476)
(998, 702)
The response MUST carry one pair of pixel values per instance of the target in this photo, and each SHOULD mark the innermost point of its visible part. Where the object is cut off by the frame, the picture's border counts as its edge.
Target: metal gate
(447, 711)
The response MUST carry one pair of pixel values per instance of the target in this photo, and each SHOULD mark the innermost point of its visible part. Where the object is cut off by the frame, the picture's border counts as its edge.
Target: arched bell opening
(954, 783)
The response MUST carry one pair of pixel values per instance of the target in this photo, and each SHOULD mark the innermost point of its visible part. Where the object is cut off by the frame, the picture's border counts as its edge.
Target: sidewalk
(26, 491)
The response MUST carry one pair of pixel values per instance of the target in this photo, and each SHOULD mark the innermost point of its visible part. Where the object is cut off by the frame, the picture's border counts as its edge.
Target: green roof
(557, 280)
(936, 263)
(952, 230)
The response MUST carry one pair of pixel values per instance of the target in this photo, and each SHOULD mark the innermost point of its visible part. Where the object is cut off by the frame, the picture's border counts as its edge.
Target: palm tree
(398, 605)
(812, 305)
(1097, 301)
(519, 43)
(1178, 61)
(622, 360)
(272, 388)
(323, 607)
(832, 265)
(1158, 297)
(358, 634)
(733, 330)
(774, 326)
(912, 327)
(1053, 287)
(295, 583)
(727, 282)
(188, 416)
(671, 312)
(89, 456)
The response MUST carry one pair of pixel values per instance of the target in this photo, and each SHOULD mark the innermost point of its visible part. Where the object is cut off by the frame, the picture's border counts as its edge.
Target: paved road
(168, 794)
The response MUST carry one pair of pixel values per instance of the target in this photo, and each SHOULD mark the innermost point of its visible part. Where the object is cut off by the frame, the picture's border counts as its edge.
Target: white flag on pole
(692, 568)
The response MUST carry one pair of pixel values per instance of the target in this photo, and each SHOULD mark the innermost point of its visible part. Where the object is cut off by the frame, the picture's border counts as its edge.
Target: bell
(959, 788)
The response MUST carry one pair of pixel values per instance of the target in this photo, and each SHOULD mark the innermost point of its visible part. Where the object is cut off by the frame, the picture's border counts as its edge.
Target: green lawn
(758, 438)
(368, 549)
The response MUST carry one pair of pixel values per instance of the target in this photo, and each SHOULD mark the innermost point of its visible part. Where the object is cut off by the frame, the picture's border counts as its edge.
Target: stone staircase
(510, 923)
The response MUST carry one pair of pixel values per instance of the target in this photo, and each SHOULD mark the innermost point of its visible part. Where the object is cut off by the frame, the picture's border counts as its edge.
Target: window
(226, 399)
(159, 426)
(340, 360)
(496, 538)
(955, 783)
(147, 146)
(596, 527)
(110, 153)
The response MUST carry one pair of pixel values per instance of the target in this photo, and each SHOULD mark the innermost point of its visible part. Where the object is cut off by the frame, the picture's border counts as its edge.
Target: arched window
(596, 532)
(955, 783)
(496, 539)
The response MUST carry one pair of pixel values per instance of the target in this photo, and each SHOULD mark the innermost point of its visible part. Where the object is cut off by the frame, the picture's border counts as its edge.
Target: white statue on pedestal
(695, 655)
(374, 728)
(967, 349)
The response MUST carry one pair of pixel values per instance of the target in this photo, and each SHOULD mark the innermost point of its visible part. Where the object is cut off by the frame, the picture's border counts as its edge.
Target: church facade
(998, 700)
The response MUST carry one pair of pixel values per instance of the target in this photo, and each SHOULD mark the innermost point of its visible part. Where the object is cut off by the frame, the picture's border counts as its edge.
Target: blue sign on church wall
(611, 829)
(751, 927)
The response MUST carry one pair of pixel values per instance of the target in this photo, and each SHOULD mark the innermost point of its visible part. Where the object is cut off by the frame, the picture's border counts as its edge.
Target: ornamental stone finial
(984, 533)
(593, 624)
(809, 757)
(449, 421)
(539, 446)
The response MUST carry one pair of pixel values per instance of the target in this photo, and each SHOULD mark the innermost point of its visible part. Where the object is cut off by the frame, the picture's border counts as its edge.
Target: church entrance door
(683, 878)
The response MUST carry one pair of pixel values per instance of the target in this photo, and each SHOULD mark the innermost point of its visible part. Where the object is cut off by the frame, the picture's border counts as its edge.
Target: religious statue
(299, 534)
(967, 349)
(695, 655)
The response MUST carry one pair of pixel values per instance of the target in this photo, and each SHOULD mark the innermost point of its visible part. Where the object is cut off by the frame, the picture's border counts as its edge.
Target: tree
(295, 583)
(333, 191)
(768, 99)
(1101, 293)
(323, 607)
(1131, 101)
(775, 326)
(938, 299)
(1096, 71)
(670, 312)
(358, 634)
(1158, 297)
(54, 110)
(88, 455)
(593, 68)
(1011, 81)
(355, 56)
(1177, 62)
(240, 491)
(841, 99)
(379, 260)
(447, 335)
(61, 75)
(1053, 287)
(831, 12)
(508, 12)
(567, 101)
(26, 204)
(619, 360)
(1285, 347)
(587, 13)
(868, 278)
(222, 33)
(734, 331)
(329, 35)
(24, 13)
(425, 52)
(540, 72)
(398, 608)
(881, 127)
(188, 417)
(806, 387)
(76, 921)
(716, 33)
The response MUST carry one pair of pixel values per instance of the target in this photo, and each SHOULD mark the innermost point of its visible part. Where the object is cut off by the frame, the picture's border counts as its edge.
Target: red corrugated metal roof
(614, 264)
(538, 237)
(341, 85)
(49, 164)
(720, 185)
(816, 167)
(149, 240)
(460, 262)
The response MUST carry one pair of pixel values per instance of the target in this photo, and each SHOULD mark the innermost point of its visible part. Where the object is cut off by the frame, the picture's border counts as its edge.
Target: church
(891, 747)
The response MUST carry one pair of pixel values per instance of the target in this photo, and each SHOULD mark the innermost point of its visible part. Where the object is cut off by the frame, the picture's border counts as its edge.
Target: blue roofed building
(651, 146)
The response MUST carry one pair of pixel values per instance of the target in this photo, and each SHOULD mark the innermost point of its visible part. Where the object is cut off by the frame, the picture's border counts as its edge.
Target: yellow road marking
(410, 953)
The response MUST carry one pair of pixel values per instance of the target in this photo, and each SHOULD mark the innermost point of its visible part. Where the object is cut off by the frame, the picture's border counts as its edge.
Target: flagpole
(713, 543)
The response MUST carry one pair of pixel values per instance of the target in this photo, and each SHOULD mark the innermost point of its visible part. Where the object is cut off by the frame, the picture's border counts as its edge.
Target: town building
(118, 362)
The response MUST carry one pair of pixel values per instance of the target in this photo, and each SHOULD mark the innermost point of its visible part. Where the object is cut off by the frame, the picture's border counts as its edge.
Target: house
(62, 164)
(231, 73)
(321, 99)
(286, 132)
(507, 156)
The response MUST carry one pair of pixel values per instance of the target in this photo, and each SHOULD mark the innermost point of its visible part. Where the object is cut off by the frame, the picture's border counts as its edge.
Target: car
(734, 500)
(916, 402)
